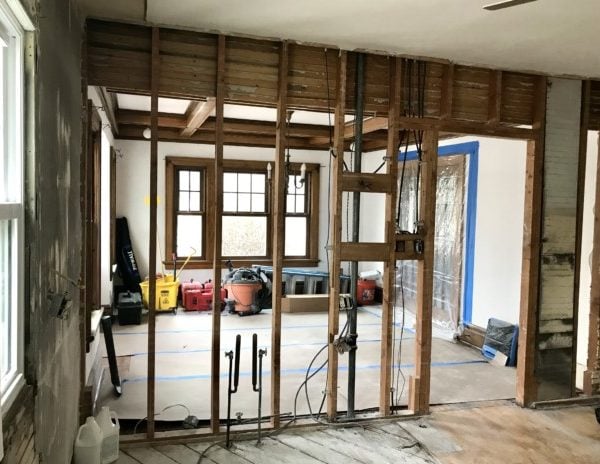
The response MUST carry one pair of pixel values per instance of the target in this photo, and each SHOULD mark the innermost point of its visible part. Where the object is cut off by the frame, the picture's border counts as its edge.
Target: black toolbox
(129, 308)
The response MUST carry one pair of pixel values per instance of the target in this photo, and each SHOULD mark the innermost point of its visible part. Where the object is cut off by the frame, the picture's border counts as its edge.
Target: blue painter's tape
(224, 375)
(471, 150)
(235, 329)
(208, 350)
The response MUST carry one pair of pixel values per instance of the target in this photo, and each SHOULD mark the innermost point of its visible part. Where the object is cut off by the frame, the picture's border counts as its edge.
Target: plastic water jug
(109, 425)
(88, 443)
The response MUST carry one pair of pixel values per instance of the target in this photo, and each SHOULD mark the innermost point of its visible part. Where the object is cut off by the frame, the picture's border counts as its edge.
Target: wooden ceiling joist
(238, 126)
(197, 114)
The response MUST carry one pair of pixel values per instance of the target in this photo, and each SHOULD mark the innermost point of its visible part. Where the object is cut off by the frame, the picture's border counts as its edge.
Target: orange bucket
(244, 294)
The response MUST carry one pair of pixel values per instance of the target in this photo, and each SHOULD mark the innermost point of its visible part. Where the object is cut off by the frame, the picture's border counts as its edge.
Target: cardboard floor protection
(183, 343)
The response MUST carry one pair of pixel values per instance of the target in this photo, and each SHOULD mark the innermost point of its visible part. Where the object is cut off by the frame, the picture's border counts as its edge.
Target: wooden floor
(486, 433)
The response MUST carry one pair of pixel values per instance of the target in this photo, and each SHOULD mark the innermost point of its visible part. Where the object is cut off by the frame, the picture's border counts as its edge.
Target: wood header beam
(198, 113)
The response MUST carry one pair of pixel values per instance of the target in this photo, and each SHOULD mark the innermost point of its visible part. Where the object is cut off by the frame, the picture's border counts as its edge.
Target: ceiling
(549, 36)
(251, 113)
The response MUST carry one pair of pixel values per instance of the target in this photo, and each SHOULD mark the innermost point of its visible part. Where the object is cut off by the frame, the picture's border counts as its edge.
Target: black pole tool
(236, 378)
(257, 355)
(110, 353)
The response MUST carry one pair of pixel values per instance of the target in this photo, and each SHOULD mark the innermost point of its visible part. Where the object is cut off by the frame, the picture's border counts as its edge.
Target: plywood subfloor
(496, 433)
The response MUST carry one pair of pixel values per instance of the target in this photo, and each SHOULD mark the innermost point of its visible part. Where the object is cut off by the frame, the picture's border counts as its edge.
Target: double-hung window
(247, 218)
(297, 216)
(245, 215)
(11, 204)
(191, 211)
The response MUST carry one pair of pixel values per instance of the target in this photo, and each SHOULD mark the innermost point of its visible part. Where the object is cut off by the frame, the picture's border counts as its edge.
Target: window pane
(189, 235)
(4, 176)
(184, 201)
(258, 203)
(244, 236)
(295, 236)
(184, 180)
(300, 203)
(244, 182)
(258, 183)
(230, 182)
(230, 202)
(300, 188)
(195, 181)
(6, 283)
(195, 201)
(244, 202)
(289, 208)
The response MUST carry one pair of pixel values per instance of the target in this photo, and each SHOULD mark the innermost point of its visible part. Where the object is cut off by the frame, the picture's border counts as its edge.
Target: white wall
(499, 225)
(133, 187)
(499, 229)
(586, 248)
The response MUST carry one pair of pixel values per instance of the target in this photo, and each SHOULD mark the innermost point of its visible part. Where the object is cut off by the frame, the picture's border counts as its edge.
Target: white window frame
(14, 22)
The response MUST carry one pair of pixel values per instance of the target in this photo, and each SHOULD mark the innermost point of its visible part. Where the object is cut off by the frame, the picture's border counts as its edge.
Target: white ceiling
(142, 103)
(549, 36)
(251, 113)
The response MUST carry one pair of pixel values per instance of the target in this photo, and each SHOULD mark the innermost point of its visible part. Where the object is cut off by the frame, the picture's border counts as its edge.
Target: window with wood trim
(190, 218)
(247, 212)
(297, 216)
(12, 210)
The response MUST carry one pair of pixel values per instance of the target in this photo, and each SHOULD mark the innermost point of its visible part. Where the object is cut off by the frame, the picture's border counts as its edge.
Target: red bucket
(365, 292)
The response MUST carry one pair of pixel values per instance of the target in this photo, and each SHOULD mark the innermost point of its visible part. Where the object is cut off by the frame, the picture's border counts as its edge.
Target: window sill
(11, 393)
(244, 263)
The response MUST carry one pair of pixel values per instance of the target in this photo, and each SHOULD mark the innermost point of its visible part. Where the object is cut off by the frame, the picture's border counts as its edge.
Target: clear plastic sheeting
(448, 266)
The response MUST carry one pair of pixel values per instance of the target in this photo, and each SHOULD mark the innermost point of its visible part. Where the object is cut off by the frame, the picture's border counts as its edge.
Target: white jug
(88, 443)
(109, 425)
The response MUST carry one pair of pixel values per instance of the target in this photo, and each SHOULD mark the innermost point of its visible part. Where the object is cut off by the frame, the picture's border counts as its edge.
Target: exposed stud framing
(154, 78)
(447, 93)
(419, 384)
(389, 274)
(279, 234)
(336, 235)
(217, 233)
(532, 242)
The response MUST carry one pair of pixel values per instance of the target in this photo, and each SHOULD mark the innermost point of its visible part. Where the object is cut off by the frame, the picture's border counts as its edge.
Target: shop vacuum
(248, 290)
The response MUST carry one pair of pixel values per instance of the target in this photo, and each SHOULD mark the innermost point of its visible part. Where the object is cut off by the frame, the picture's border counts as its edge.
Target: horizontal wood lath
(470, 93)
(118, 55)
(595, 106)
(119, 59)
(518, 95)
(187, 63)
(308, 77)
(251, 70)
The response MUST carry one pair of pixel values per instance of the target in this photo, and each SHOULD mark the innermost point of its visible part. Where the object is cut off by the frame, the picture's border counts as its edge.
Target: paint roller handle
(236, 377)
(254, 356)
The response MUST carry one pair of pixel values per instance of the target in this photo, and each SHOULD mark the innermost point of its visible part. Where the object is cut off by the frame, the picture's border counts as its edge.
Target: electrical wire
(166, 408)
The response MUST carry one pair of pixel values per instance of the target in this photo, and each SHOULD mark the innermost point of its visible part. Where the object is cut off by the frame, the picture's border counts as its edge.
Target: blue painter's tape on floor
(236, 329)
(294, 371)
(208, 350)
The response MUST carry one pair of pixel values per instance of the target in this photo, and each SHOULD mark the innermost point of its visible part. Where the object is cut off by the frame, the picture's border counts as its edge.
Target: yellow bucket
(166, 293)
